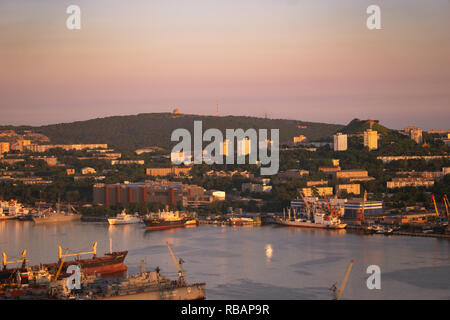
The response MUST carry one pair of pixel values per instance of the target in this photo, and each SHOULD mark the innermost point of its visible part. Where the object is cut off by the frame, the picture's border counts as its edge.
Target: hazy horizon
(287, 59)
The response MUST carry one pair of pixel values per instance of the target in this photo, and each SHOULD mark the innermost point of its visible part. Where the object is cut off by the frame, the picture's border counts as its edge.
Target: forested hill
(154, 129)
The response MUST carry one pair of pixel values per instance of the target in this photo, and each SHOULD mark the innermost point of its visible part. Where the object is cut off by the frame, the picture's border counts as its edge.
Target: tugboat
(124, 218)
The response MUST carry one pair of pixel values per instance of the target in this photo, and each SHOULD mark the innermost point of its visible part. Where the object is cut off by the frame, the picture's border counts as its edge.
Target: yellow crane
(180, 271)
(94, 252)
(446, 203)
(6, 262)
(341, 289)
(435, 206)
(61, 264)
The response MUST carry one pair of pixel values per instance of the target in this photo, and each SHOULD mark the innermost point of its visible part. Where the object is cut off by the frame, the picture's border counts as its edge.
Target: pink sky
(312, 61)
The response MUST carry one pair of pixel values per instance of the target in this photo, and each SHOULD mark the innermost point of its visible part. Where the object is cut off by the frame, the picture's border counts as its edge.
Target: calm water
(267, 262)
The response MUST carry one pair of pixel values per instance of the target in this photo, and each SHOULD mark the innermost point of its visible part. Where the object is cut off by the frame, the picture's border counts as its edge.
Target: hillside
(135, 131)
(359, 126)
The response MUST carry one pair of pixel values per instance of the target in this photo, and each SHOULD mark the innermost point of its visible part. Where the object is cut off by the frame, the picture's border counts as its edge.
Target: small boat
(124, 218)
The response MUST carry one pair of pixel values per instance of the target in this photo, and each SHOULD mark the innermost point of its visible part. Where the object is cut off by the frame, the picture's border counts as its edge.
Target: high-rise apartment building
(371, 139)
(340, 142)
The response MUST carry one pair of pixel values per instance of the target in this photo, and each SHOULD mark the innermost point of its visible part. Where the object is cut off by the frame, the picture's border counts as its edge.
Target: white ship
(12, 210)
(124, 218)
(320, 221)
(314, 216)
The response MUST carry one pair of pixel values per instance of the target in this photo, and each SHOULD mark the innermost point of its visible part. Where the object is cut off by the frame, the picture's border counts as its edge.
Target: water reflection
(232, 263)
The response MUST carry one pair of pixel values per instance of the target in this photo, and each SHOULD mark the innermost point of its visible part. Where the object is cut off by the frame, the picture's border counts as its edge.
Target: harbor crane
(341, 289)
(6, 262)
(180, 271)
(435, 206)
(446, 204)
(94, 252)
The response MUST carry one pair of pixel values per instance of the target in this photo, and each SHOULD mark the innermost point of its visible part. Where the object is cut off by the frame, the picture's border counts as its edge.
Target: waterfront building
(162, 191)
(354, 207)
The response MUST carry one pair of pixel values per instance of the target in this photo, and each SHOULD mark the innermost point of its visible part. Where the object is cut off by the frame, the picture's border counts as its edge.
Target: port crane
(94, 252)
(180, 271)
(446, 204)
(341, 289)
(6, 262)
(435, 206)
(308, 208)
(61, 264)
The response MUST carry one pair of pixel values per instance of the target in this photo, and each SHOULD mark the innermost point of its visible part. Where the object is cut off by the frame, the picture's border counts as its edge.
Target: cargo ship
(166, 220)
(41, 284)
(110, 263)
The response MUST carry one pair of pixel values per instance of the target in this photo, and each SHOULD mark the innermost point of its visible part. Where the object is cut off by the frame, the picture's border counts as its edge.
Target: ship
(319, 221)
(313, 216)
(165, 220)
(42, 284)
(12, 209)
(57, 216)
(110, 263)
(124, 218)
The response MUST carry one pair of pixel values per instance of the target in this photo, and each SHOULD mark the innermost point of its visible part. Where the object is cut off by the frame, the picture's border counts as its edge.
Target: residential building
(321, 191)
(330, 170)
(174, 171)
(88, 170)
(299, 139)
(46, 147)
(127, 162)
(256, 188)
(4, 147)
(371, 139)
(316, 183)
(162, 191)
(340, 142)
(293, 173)
(409, 182)
(355, 173)
(352, 188)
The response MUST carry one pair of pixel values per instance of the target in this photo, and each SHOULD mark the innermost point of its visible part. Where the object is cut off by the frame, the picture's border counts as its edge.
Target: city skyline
(285, 59)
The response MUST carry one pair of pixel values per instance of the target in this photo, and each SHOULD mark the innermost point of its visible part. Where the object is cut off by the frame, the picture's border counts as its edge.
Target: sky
(293, 59)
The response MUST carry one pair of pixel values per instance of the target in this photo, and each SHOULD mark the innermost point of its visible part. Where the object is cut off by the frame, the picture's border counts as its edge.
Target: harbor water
(266, 262)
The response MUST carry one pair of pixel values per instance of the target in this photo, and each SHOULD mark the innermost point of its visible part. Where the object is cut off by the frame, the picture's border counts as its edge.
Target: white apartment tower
(340, 142)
